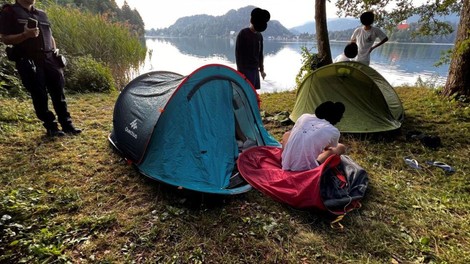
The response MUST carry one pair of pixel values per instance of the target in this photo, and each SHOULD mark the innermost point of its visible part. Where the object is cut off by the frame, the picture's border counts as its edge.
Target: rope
(336, 225)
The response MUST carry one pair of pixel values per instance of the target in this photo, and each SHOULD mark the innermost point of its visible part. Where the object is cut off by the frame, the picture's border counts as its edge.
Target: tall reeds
(80, 33)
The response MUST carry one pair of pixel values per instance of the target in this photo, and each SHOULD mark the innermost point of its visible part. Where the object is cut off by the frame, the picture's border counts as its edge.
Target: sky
(158, 14)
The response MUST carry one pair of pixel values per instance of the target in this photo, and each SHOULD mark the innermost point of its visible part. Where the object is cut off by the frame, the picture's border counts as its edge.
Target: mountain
(451, 18)
(342, 24)
(219, 26)
(334, 24)
(229, 24)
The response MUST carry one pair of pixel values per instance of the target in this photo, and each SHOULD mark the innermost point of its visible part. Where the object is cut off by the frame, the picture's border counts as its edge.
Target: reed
(81, 33)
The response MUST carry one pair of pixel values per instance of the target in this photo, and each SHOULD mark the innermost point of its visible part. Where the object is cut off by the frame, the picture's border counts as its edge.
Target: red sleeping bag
(337, 185)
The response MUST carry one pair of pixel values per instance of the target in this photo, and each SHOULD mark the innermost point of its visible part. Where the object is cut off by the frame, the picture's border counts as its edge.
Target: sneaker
(55, 133)
(70, 129)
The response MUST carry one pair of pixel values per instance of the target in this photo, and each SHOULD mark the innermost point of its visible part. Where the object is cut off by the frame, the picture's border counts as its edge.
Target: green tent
(372, 104)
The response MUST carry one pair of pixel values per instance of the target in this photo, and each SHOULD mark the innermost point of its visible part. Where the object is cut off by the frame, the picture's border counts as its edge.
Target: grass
(75, 200)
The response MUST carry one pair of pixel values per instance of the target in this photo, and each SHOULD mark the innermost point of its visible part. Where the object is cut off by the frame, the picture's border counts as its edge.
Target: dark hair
(367, 18)
(331, 112)
(259, 19)
(351, 50)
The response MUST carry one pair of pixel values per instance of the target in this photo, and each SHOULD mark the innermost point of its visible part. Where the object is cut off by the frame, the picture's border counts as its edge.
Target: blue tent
(181, 130)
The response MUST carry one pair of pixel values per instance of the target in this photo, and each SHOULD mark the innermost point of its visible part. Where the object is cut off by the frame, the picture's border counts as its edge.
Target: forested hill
(397, 35)
(219, 26)
(234, 20)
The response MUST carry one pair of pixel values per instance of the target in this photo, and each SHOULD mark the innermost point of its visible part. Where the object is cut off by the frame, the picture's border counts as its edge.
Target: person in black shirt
(249, 47)
(38, 63)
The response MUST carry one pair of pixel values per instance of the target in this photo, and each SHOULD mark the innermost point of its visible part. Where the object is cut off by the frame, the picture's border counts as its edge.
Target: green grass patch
(74, 199)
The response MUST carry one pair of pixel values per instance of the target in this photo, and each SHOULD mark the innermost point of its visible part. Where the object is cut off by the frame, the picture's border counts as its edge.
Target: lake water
(399, 63)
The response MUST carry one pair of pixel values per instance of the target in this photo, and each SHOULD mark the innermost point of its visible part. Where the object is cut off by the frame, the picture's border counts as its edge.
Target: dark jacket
(12, 21)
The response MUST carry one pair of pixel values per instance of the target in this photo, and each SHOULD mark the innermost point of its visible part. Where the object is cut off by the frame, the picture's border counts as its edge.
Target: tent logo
(133, 124)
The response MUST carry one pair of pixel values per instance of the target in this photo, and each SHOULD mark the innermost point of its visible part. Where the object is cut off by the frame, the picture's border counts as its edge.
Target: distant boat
(403, 25)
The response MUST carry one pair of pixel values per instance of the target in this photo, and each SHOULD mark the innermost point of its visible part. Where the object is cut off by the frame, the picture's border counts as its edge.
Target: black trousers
(43, 78)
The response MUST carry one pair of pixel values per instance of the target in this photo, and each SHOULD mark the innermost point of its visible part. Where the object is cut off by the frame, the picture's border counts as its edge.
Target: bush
(306, 68)
(10, 84)
(85, 74)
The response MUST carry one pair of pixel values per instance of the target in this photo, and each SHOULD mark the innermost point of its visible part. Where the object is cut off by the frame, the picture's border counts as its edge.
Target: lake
(399, 63)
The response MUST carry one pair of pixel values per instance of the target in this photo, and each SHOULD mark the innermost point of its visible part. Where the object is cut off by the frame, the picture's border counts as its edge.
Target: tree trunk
(458, 82)
(323, 42)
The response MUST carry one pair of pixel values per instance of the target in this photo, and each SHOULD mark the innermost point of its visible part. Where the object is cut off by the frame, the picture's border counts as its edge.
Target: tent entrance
(222, 130)
(247, 133)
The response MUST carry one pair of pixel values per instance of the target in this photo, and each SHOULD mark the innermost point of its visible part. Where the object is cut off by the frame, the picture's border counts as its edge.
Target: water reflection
(399, 63)
(207, 47)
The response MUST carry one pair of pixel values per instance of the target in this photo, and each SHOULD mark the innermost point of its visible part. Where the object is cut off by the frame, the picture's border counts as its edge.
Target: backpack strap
(336, 224)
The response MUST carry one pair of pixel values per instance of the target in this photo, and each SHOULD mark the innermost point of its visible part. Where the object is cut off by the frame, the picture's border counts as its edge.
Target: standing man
(365, 37)
(38, 62)
(249, 47)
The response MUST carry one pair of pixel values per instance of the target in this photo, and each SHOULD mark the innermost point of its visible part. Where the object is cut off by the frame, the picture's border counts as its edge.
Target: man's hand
(30, 32)
(263, 74)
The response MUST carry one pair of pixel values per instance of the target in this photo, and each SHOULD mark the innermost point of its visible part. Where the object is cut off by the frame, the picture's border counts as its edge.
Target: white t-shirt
(308, 138)
(364, 40)
(341, 57)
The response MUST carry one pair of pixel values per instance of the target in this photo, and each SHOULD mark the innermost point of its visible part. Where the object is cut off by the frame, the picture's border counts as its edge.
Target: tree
(133, 18)
(323, 42)
(430, 13)
(458, 82)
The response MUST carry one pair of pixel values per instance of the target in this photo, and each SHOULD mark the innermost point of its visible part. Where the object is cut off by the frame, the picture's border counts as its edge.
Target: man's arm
(261, 59)
(378, 44)
(18, 38)
(354, 36)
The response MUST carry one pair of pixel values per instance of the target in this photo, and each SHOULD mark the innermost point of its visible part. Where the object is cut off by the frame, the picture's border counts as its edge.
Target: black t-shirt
(249, 50)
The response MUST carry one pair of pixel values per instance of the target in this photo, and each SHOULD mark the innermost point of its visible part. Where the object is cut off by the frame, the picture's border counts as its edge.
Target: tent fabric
(371, 103)
(137, 110)
(337, 185)
(181, 129)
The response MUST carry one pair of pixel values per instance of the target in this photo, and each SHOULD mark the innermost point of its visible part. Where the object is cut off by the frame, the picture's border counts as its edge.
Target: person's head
(331, 112)
(367, 18)
(259, 19)
(351, 50)
(26, 2)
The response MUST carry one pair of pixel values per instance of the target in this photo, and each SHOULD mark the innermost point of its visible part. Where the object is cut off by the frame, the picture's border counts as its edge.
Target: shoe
(448, 169)
(412, 163)
(55, 132)
(71, 129)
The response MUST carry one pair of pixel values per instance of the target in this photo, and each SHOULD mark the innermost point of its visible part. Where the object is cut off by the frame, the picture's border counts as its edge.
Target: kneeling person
(313, 138)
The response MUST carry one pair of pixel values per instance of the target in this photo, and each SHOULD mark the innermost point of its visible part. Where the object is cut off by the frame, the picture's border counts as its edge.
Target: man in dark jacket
(249, 47)
(38, 63)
